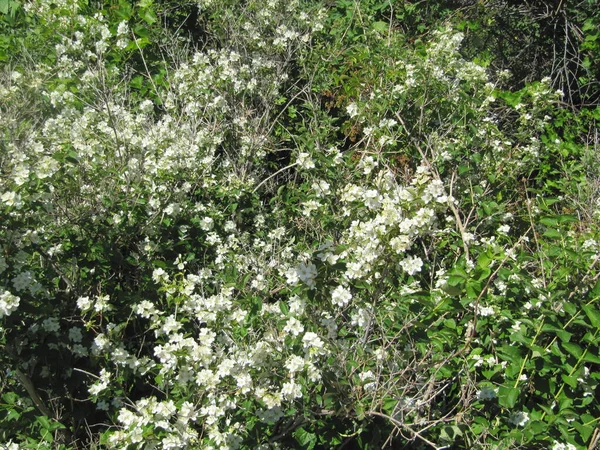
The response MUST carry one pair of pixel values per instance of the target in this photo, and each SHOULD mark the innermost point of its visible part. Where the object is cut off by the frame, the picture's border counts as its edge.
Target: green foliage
(275, 224)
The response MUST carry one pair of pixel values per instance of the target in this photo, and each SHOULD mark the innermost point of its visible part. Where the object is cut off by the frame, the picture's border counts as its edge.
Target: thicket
(289, 224)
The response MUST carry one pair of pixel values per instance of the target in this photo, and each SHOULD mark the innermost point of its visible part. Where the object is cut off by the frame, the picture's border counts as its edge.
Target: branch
(30, 388)
(415, 434)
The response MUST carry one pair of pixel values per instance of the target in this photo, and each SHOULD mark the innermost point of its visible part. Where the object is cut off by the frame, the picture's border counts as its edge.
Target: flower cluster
(8, 303)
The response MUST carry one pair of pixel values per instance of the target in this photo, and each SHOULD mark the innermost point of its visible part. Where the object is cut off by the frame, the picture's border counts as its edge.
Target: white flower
(244, 382)
(8, 303)
(102, 405)
(160, 276)
(560, 446)
(102, 303)
(352, 110)
(101, 342)
(84, 303)
(291, 276)
(80, 350)
(294, 364)
(293, 327)
(503, 229)
(486, 393)
(307, 274)
(122, 29)
(486, 311)
(412, 264)
(361, 317)
(400, 243)
(291, 390)
(23, 281)
(367, 164)
(11, 198)
(98, 387)
(172, 209)
(341, 296)
(145, 309)
(304, 161)
(368, 375)
(309, 207)
(312, 341)
(321, 188)
(207, 224)
(75, 334)
(51, 324)
(519, 418)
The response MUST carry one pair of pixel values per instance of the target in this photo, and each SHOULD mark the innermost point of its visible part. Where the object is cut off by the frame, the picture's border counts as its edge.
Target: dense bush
(285, 224)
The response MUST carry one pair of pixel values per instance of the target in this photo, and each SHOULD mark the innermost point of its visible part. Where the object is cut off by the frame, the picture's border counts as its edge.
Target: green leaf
(569, 308)
(507, 396)
(381, 27)
(137, 82)
(10, 398)
(510, 353)
(585, 431)
(452, 290)
(567, 218)
(284, 308)
(591, 358)
(570, 380)
(573, 349)
(306, 439)
(44, 422)
(455, 280)
(552, 234)
(389, 405)
(549, 221)
(160, 264)
(148, 15)
(450, 323)
(450, 433)
(538, 427)
(564, 336)
(12, 415)
(593, 314)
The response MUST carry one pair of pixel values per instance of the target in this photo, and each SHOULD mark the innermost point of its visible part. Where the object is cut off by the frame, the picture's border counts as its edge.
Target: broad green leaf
(570, 380)
(13, 414)
(567, 218)
(585, 431)
(10, 398)
(44, 422)
(455, 280)
(552, 234)
(381, 27)
(591, 358)
(549, 221)
(572, 348)
(507, 396)
(593, 314)
(510, 353)
(564, 336)
(284, 308)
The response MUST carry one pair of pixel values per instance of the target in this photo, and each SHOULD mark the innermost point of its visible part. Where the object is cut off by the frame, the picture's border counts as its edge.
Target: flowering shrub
(198, 253)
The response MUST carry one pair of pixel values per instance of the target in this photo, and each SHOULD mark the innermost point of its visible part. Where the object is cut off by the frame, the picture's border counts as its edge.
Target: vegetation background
(266, 224)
